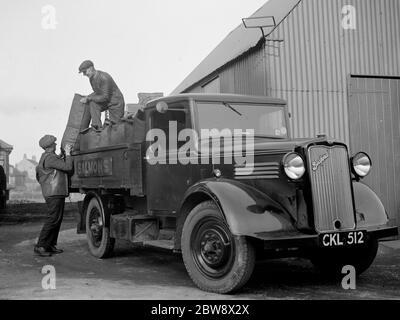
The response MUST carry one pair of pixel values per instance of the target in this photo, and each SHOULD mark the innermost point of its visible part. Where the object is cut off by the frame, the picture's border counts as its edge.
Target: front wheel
(216, 260)
(331, 261)
(100, 243)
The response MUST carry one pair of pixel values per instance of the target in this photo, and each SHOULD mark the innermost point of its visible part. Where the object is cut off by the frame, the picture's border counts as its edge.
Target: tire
(330, 262)
(215, 260)
(100, 243)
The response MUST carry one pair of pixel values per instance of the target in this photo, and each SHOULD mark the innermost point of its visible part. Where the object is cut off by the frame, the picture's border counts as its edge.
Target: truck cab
(219, 179)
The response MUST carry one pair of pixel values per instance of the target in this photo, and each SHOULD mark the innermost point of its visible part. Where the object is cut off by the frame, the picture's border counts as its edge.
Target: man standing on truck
(106, 95)
(51, 173)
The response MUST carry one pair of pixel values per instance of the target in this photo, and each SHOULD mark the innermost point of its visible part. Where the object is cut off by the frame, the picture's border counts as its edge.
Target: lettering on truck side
(99, 167)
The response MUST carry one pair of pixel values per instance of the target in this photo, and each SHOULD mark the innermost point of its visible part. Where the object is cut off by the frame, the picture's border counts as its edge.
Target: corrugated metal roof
(238, 42)
(4, 145)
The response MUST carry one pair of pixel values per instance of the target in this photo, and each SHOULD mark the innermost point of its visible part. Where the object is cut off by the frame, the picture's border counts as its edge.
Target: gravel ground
(142, 273)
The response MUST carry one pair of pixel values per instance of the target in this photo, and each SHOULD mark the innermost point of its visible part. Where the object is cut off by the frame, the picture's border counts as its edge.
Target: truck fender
(369, 208)
(247, 210)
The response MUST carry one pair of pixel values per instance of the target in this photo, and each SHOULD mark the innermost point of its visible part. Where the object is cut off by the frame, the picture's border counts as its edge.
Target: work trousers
(116, 112)
(55, 211)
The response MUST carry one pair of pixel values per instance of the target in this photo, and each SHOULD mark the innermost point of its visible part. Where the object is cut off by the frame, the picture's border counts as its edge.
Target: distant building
(28, 166)
(23, 180)
(17, 178)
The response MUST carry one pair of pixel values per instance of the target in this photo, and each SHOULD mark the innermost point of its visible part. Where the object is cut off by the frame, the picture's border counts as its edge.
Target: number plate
(341, 239)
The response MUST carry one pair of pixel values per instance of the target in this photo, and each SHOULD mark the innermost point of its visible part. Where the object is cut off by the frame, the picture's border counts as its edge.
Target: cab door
(167, 179)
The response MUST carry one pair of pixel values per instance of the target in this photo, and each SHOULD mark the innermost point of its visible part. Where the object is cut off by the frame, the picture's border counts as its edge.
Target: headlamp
(293, 165)
(361, 164)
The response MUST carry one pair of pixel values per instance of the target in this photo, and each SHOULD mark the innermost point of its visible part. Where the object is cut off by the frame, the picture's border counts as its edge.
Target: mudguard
(248, 211)
(369, 208)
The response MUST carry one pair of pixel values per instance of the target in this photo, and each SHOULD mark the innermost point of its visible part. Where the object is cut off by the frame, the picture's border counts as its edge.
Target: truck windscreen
(268, 121)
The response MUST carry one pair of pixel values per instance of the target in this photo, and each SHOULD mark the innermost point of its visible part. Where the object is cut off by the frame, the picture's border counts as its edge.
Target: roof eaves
(5, 145)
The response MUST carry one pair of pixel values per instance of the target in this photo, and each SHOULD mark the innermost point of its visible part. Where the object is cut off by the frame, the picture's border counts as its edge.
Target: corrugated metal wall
(244, 76)
(308, 61)
(312, 57)
(310, 68)
(248, 75)
(374, 113)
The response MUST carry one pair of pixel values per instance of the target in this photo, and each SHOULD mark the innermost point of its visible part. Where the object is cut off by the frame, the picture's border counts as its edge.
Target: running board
(162, 244)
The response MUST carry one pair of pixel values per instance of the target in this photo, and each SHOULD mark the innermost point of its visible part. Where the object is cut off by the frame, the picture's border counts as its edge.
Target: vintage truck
(157, 180)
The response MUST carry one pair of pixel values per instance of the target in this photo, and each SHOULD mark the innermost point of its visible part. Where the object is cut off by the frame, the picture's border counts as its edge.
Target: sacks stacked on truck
(79, 119)
(131, 129)
(125, 132)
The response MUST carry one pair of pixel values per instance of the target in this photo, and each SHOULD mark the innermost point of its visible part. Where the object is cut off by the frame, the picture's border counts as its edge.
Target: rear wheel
(216, 260)
(330, 262)
(100, 243)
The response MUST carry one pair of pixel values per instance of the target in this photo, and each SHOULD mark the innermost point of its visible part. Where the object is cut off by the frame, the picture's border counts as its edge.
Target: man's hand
(68, 149)
(84, 100)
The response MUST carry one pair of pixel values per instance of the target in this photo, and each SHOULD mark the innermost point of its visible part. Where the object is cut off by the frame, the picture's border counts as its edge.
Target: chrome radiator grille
(331, 189)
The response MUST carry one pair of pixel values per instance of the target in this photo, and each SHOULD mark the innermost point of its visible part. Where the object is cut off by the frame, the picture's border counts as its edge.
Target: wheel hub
(212, 248)
(96, 226)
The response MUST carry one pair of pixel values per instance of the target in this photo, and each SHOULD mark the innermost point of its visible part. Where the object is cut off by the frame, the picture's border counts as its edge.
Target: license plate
(341, 239)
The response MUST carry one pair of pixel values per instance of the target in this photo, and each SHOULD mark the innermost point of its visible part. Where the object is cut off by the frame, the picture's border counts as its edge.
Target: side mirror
(162, 107)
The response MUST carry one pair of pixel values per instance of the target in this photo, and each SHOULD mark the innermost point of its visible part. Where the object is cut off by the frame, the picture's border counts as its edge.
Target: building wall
(374, 114)
(309, 57)
(311, 67)
(308, 61)
(246, 75)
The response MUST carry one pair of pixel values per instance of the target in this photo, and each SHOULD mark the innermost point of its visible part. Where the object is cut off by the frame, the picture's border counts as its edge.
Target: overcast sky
(147, 46)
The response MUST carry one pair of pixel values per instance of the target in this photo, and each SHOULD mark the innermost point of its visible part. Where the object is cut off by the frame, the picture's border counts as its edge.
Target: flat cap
(85, 64)
(47, 141)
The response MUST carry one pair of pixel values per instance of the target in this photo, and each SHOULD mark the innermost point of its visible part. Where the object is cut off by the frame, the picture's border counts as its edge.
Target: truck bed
(110, 159)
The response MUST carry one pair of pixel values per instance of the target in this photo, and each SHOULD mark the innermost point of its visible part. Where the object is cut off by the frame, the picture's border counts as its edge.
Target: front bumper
(295, 239)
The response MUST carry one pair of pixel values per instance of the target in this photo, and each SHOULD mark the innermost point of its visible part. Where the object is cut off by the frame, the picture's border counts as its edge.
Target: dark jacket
(51, 173)
(105, 90)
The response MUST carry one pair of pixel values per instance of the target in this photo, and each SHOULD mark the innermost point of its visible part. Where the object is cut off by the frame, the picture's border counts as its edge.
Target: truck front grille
(331, 188)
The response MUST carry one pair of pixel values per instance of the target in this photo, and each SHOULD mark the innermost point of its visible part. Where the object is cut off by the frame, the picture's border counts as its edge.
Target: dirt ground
(143, 273)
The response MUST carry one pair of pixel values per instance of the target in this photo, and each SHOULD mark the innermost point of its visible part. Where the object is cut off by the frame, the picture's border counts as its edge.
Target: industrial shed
(336, 62)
